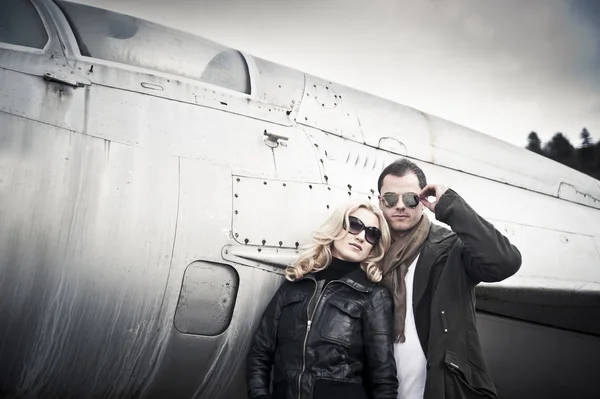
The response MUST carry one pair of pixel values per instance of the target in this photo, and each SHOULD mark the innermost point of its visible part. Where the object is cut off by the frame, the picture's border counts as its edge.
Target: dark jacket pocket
(291, 313)
(340, 321)
(477, 382)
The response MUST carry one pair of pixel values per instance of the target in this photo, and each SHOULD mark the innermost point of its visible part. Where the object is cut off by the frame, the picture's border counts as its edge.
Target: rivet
(238, 179)
(264, 242)
(297, 244)
(246, 241)
(284, 185)
(236, 212)
(310, 186)
(235, 195)
(265, 183)
(237, 235)
(326, 178)
(327, 206)
(349, 187)
(280, 243)
(259, 249)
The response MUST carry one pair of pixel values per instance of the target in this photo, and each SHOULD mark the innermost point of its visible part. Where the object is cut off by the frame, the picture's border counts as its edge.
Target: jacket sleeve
(380, 365)
(259, 360)
(487, 254)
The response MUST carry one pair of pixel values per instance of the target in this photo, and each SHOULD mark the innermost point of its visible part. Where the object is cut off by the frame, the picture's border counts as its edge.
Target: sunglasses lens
(411, 200)
(356, 225)
(372, 235)
(390, 199)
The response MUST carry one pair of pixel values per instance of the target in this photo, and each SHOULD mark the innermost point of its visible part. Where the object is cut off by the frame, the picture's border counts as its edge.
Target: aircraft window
(120, 38)
(21, 25)
(207, 299)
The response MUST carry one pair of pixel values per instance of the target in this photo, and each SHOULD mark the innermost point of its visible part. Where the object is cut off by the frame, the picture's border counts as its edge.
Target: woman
(328, 330)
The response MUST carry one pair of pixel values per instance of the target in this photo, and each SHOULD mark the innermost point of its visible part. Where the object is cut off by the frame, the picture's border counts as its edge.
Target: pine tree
(586, 152)
(586, 138)
(561, 150)
(534, 143)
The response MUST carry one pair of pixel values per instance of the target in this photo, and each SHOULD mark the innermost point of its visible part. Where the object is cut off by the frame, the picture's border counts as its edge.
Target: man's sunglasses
(372, 234)
(411, 200)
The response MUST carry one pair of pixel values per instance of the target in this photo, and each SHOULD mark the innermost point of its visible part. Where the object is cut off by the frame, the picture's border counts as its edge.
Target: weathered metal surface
(83, 267)
(277, 213)
(110, 191)
(326, 106)
(395, 128)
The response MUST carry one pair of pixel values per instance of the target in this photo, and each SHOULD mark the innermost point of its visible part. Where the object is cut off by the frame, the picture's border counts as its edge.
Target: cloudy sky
(502, 67)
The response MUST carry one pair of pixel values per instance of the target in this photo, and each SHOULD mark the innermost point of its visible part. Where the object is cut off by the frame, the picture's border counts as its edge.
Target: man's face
(400, 218)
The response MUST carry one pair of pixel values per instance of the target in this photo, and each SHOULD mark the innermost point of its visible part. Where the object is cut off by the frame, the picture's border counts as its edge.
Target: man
(432, 273)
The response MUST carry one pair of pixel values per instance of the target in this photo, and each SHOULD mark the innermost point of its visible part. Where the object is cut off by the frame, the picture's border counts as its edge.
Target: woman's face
(355, 247)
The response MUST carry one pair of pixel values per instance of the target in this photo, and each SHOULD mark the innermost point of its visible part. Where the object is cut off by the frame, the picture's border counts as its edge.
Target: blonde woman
(328, 331)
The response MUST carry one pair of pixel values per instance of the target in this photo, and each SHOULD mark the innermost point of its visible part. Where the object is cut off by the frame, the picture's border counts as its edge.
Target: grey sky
(502, 67)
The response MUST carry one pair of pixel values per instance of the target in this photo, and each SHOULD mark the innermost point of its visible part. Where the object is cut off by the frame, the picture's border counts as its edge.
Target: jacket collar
(431, 250)
(356, 279)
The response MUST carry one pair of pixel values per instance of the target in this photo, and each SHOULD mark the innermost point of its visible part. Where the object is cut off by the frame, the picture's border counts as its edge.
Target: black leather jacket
(323, 340)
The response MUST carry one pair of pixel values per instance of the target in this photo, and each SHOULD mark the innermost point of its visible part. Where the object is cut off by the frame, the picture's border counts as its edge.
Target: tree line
(585, 158)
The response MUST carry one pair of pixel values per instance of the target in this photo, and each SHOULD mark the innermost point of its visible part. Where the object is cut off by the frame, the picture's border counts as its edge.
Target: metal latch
(53, 77)
(273, 140)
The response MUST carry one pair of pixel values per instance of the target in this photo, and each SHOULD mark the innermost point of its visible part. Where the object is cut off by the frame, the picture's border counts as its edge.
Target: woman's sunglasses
(372, 234)
(411, 200)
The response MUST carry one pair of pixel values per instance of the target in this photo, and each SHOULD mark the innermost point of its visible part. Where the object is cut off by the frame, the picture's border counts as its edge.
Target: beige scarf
(395, 264)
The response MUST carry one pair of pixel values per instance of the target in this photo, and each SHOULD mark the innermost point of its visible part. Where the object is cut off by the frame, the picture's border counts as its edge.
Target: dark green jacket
(450, 265)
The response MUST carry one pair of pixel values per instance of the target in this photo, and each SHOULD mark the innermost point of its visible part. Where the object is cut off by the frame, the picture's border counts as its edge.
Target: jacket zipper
(309, 322)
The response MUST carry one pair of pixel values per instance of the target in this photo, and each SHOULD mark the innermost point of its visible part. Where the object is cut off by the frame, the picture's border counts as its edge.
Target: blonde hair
(317, 256)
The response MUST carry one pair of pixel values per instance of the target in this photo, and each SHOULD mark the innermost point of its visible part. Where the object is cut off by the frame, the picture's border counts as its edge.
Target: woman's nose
(361, 236)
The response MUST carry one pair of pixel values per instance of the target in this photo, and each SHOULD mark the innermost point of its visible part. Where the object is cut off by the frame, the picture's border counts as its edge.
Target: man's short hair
(401, 168)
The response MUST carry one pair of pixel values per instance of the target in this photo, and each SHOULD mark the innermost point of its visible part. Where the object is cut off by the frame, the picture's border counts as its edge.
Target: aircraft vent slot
(207, 299)
(21, 25)
(127, 40)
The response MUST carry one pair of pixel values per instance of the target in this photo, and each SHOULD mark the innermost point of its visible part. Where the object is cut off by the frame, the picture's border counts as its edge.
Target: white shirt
(410, 360)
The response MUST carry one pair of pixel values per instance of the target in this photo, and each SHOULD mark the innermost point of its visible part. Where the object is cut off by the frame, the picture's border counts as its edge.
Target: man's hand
(432, 190)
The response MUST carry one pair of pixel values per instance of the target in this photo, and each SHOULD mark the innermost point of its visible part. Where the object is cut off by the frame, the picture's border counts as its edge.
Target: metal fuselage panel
(117, 182)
